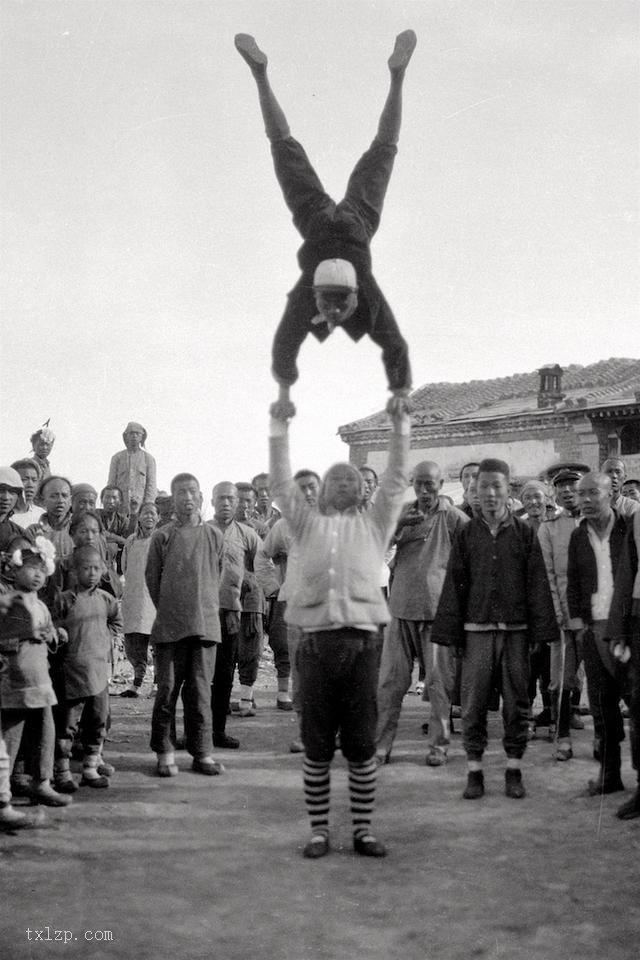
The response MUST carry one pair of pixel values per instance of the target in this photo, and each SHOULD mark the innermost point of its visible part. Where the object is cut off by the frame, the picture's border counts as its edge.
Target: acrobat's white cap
(335, 273)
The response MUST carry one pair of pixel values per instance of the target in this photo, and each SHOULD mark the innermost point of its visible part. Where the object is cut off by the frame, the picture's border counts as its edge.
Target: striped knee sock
(362, 792)
(317, 786)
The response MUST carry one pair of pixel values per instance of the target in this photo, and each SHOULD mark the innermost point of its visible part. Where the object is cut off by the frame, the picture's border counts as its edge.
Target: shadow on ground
(202, 868)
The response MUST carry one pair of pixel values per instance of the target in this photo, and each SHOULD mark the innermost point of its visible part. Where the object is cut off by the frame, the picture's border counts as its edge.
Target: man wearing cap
(337, 287)
(83, 498)
(30, 475)
(164, 505)
(566, 654)
(133, 470)
(11, 494)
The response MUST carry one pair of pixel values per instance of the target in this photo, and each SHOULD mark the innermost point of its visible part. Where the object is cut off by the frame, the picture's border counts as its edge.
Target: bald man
(423, 540)
(334, 599)
(616, 470)
(594, 550)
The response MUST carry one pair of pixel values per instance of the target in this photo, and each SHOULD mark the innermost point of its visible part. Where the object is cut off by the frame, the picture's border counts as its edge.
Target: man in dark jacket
(624, 633)
(495, 604)
(594, 550)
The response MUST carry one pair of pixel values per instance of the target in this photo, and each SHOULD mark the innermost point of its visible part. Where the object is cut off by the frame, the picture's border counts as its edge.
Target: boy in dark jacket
(495, 604)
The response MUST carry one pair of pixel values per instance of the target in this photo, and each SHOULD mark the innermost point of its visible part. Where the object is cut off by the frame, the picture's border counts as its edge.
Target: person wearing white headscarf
(133, 470)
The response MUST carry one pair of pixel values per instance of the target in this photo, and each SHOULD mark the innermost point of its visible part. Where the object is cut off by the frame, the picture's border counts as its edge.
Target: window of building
(630, 439)
(613, 445)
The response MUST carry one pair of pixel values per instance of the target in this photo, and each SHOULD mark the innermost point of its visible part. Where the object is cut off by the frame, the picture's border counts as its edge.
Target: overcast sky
(148, 250)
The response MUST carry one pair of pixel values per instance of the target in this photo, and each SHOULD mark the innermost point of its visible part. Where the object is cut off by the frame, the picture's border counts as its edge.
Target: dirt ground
(202, 868)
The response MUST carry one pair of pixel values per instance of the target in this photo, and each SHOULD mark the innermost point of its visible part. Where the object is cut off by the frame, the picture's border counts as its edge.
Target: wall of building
(527, 452)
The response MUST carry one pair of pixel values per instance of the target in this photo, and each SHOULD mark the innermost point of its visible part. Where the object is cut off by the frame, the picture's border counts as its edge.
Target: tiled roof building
(531, 420)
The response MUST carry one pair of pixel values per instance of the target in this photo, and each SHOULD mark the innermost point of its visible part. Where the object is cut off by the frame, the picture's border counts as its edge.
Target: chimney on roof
(550, 388)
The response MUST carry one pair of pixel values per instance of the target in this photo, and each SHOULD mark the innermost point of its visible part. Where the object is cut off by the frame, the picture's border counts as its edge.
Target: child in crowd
(26, 691)
(115, 525)
(29, 472)
(54, 493)
(337, 287)
(85, 530)
(138, 611)
(91, 617)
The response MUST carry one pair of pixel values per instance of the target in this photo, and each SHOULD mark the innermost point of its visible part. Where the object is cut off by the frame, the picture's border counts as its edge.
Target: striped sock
(317, 786)
(362, 792)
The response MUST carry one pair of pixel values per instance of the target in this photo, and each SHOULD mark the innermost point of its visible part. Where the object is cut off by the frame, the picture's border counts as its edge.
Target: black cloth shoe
(65, 786)
(224, 742)
(543, 719)
(604, 785)
(317, 847)
(475, 785)
(513, 785)
(631, 809)
(368, 846)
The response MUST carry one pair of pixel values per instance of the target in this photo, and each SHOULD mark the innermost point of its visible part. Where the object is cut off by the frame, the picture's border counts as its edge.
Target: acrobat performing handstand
(337, 287)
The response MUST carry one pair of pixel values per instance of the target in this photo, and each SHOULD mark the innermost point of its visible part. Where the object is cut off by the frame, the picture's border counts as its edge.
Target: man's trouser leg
(5, 776)
(199, 670)
(396, 666)
(169, 659)
(337, 686)
(476, 687)
(634, 696)
(301, 187)
(293, 639)
(250, 641)
(513, 654)
(605, 693)
(94, 722)
(136, 648)
(439, 682)
(368, 184)
(226, 655)
(278, 641)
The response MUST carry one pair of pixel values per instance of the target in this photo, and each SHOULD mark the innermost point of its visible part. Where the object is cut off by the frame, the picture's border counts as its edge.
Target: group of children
(59, 617)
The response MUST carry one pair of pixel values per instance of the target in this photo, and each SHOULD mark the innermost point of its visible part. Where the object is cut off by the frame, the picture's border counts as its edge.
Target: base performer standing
(335, 602)
(337, 287)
